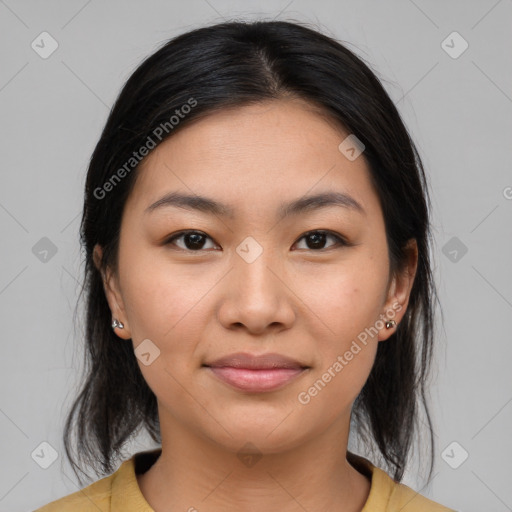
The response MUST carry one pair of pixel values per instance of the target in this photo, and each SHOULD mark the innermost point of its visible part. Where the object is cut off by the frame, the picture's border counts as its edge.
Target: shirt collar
(381, 486)
(126, 493)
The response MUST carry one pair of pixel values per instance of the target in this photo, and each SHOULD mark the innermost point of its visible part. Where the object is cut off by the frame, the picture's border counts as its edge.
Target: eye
(316, 239)
(193, 240)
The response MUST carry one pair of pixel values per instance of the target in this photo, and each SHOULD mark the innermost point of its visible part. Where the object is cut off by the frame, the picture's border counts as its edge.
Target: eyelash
(340, 240)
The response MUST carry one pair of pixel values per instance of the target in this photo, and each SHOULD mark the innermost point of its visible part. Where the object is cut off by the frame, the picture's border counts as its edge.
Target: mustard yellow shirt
(120, 491)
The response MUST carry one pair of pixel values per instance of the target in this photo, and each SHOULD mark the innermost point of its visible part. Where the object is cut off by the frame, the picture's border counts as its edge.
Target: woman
(258, 282)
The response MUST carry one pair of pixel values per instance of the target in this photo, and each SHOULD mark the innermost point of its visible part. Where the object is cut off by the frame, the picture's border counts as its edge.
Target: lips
(256, 374)
(259, 362)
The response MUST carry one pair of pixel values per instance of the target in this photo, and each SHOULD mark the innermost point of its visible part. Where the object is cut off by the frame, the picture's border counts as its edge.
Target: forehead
(254, 156)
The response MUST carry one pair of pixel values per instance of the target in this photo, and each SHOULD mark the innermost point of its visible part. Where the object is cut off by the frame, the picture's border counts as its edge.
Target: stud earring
(390, 323)
(117, 323)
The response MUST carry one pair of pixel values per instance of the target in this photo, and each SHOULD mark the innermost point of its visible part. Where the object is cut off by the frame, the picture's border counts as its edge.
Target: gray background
(457, 109)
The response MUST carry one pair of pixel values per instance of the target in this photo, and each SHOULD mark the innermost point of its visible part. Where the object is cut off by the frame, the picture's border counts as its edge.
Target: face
(309, 282)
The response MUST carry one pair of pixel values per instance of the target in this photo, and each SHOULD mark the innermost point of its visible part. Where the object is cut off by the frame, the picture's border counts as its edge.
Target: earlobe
(390, 321)
(97, 255)
(399, 293)
(112, 295)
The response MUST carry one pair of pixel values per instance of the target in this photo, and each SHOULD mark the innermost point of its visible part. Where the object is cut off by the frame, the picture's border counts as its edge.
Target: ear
(112, 293)
(399, 291)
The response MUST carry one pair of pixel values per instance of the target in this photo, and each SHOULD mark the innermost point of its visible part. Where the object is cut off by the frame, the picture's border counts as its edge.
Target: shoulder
(388, 495)
(118, 491)
(405, 499)
(93, 498)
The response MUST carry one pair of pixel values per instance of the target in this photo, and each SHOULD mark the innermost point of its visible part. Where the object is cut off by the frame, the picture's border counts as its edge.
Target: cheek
(346, 346)
(346, 298)
(347, 303)
(331, 391)
(163, 304)
(160, 297)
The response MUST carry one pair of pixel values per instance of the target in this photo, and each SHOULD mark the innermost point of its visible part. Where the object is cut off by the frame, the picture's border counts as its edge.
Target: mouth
(256, 374)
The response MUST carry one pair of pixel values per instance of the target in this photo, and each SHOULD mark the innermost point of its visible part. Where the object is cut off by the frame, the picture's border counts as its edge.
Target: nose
(257, 297)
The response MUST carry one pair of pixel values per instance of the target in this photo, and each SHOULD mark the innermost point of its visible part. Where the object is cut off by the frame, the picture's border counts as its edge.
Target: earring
(390, 323)
(117, 323)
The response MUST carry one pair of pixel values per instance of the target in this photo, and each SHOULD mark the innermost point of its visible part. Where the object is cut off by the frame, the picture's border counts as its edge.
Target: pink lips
(256, 374)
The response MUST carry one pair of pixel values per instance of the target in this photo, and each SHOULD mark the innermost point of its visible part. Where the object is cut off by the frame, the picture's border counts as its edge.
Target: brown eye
(196, 241)
(316, 240)
(192, 240)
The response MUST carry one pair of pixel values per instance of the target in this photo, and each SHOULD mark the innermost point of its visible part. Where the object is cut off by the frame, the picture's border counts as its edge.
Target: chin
(268, 435)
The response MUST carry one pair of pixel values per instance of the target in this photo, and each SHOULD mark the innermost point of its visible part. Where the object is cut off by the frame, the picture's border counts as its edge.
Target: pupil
(317, 238)
(195, 238)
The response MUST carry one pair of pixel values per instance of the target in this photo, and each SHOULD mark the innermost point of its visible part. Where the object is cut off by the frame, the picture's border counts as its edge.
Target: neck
(195, 473)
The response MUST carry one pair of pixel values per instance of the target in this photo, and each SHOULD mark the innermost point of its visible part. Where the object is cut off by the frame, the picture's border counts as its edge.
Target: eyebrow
(296, 207)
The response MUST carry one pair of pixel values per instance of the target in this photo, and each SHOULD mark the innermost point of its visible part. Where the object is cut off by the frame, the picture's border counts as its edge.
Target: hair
(230, 65)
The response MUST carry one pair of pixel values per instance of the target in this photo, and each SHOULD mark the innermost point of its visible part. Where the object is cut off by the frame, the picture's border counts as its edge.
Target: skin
(305, 301)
